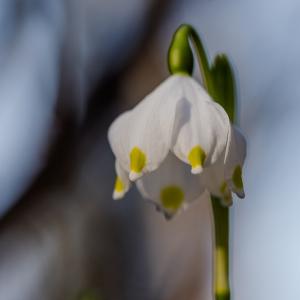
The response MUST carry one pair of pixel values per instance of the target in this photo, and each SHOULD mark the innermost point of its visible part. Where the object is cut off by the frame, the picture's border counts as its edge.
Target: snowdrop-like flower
(177, 143)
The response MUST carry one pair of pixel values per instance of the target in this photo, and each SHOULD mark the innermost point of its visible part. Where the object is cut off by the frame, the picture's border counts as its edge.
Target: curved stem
(221, 253)
(202, 58)
(220, 213)
(180, 60)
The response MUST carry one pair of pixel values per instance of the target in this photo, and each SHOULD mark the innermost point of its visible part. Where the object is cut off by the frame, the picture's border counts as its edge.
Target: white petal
(223, 177)
(118, 136)
(122, 183)
(141, 138)
(234, 160)
(171, 187)
(201, 127)
(213, 178)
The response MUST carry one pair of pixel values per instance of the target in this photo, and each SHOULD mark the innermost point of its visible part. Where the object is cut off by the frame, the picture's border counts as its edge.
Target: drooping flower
(178, 143)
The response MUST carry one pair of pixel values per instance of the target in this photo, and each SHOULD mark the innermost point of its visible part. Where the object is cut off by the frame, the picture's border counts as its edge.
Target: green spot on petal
(119, 185)
(196, 157)
(172, 197)
(137, 160)
(237, 178)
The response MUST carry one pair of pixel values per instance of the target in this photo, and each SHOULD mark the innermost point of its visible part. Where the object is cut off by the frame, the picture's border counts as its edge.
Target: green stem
(203, 61)
(220, 213)
(180, 61)
(221, 252)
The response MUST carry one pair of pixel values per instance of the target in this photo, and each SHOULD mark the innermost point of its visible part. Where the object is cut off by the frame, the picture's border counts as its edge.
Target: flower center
(172, 197)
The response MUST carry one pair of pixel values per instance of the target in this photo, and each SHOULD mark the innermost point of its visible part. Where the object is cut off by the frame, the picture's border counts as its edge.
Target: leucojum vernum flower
(179, 143)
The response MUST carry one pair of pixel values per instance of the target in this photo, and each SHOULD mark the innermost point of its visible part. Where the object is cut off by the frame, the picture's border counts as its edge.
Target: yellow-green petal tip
(196, 159)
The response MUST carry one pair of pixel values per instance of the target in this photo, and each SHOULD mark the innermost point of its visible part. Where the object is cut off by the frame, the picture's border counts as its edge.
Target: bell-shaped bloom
(170, 143)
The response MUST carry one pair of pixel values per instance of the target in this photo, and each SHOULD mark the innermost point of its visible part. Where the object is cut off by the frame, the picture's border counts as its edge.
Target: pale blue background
(261, 38)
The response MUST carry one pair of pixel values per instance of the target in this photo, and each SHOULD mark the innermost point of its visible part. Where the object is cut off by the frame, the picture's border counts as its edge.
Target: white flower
(173, 142)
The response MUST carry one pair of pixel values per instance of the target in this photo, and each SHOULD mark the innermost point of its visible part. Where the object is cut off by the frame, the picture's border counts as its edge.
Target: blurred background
(67, 69)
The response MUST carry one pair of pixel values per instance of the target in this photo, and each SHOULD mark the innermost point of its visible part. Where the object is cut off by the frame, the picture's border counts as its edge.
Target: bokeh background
(67, 69)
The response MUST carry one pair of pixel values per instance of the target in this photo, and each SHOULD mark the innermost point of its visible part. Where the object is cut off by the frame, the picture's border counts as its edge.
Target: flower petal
(122, 183)
(234, 161)
(118, 136)
(201, 128)
(223, 177)
(141, 138)
(214, 180)
(171, 187)
(153, 123)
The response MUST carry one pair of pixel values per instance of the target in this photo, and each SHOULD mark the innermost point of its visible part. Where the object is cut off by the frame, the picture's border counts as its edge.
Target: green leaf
(224, 84)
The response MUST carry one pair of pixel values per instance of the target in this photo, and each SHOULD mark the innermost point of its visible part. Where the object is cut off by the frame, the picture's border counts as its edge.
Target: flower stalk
(221, 250)
(219, 82)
